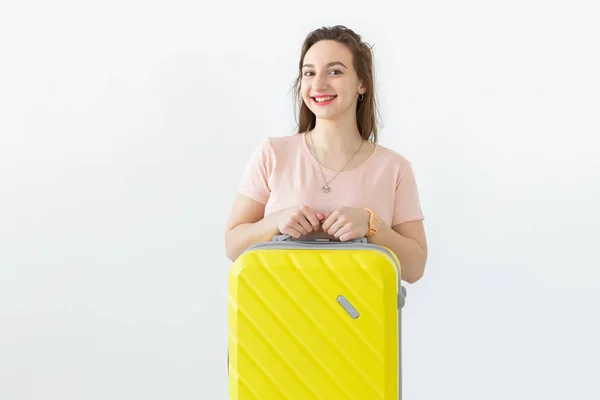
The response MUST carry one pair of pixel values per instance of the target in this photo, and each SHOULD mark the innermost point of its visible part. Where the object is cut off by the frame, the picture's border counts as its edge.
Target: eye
(307, 73)
(336, 72)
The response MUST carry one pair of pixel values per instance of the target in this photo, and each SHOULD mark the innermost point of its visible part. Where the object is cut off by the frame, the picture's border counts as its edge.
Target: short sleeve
(255, 179)
(407, 204)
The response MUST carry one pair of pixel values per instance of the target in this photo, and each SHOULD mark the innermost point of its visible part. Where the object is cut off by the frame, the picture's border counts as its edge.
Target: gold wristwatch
(373, 223)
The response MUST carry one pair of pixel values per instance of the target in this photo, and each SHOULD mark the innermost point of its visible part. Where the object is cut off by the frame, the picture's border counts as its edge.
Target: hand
(299, 221)
(347, 223)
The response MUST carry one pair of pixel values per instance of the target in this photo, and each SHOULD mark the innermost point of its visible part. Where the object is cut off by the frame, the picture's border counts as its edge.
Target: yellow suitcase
(315, 320)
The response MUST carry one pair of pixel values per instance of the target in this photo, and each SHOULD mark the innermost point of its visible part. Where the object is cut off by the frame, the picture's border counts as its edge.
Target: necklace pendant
(326, 189)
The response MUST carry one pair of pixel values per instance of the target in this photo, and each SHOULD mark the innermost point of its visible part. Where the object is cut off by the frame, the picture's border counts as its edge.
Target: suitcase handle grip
(289, 238)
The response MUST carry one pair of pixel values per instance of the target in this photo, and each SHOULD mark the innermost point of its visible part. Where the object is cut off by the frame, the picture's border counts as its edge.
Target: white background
(125, 127)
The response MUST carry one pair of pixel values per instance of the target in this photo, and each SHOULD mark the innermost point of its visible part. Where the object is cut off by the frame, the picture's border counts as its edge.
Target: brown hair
(362, 60)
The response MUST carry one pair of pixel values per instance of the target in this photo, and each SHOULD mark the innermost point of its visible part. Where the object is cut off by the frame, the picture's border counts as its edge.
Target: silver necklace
(326, 188)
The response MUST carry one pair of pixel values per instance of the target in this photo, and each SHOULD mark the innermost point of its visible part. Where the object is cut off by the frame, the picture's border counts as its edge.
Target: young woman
(331, 178)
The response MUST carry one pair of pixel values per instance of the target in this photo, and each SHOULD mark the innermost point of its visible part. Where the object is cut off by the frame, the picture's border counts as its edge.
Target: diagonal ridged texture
(289, 338)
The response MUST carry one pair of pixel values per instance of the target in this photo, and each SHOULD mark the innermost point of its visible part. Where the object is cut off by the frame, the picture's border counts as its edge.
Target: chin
(325, 115)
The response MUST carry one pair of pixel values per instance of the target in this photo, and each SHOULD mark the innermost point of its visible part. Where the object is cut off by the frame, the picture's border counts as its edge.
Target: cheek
(304, 90)
(340, 88)
(350, 94)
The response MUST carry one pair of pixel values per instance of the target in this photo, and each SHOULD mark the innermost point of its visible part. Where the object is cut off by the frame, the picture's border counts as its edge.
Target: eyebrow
(328, 65)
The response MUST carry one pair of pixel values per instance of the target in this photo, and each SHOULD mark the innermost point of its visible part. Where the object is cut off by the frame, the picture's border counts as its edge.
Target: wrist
(270, 226)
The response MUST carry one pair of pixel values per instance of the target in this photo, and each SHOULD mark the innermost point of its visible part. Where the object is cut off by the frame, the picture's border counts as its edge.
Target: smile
(323, 100)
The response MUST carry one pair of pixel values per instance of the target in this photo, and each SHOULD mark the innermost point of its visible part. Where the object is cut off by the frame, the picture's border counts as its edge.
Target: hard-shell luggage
(315, 320)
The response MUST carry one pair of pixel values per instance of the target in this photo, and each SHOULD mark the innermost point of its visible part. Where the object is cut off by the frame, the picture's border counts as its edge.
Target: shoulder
(395, 167)
(273, 150)
(392, 159)
(276, 146)
(282, 143)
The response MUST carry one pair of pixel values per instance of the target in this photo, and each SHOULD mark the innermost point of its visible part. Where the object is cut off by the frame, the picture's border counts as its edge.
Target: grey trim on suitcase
(289, 238)
(400, 353)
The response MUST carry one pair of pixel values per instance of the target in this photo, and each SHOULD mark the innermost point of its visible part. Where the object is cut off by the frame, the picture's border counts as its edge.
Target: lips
(323, 100)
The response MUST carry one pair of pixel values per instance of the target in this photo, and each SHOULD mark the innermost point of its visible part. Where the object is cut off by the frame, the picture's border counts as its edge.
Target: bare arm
(408, 241)
(246, 226)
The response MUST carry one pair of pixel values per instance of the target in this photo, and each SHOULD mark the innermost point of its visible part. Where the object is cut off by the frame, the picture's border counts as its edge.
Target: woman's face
(329, 84)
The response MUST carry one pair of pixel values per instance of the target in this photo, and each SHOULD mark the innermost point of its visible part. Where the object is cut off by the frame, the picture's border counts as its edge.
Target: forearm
(243, 236)
(412, 257)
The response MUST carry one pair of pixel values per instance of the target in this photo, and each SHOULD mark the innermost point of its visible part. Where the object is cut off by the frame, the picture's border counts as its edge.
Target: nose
(320, 82)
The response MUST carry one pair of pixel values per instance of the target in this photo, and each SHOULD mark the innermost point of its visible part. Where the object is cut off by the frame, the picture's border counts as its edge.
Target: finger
(337, 225)
(288, 230)
(329, 221)
(338, 220)
(303, 228)
(303, 222)
(313, 219)
(347, 234)
(296, 225)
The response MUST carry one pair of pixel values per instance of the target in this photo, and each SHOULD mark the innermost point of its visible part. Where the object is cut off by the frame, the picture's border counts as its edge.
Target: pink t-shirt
(283, 173)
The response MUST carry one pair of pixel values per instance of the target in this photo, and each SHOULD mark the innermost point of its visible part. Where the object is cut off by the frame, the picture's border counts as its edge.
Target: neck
(336, 137)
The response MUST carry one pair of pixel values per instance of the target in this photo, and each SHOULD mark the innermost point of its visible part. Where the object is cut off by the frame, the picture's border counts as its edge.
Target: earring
(361, 97)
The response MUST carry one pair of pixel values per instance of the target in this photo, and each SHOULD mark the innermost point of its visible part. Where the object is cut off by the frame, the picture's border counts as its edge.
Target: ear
(362, 88)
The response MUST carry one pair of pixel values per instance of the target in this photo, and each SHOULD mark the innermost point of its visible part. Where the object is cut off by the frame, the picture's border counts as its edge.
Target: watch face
(375, 222)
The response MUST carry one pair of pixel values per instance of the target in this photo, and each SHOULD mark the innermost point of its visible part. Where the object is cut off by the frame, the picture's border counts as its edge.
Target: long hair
(362, 60)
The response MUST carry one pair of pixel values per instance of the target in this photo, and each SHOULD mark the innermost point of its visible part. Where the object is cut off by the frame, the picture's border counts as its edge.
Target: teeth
(323, 98)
